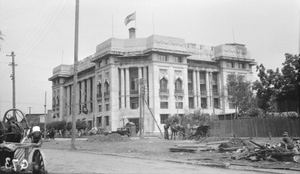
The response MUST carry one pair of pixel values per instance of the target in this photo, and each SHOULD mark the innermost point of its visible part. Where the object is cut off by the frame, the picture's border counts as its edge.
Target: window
(202, 78)
(191, 102)
(162, 58)
(134, 84)
(178, 59)
(163, 83)
(216, 103)
(179, 105)
(100, 108)
(178, 84)
(107, 120)
(107, 107)
(106, 86)
(242, 66)
(230, 64)
(99, 121)
(164, 105)
(134, 102)
(203, 103)
(163, 118)
(107, 61)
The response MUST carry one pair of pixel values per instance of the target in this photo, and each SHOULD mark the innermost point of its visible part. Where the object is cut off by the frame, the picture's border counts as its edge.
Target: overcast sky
(41, 33)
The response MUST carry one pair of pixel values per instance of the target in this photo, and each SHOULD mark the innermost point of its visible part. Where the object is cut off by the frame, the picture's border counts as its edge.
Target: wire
(55, 14)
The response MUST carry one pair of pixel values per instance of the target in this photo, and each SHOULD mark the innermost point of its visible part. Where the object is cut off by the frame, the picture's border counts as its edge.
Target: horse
(177, 128)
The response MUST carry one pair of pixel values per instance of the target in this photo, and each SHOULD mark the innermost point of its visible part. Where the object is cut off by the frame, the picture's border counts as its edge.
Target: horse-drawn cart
(17, 153)
(200, 132)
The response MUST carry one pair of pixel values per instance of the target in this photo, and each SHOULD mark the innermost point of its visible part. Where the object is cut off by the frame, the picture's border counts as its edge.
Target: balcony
(203, 93)
(179, 91)
(106, 94)
(164, 92)
(202, 81)
(215, 93)
(99, 95)
(191, 92)
(134, 92)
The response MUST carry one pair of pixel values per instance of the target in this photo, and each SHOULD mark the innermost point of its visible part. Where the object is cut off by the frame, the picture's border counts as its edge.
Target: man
(287, 141)
(166, 128)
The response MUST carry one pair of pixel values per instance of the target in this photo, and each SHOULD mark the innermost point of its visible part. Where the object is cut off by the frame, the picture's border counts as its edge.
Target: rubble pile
(114, 137)
(267, 152)
(233, 143)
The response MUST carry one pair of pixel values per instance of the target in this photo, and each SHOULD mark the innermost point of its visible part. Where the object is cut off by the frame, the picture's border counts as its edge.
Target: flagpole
(153, 22)
(135, 20)
(112, 25)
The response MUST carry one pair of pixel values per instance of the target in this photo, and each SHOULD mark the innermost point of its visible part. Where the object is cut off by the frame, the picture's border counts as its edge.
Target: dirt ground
(156, 148)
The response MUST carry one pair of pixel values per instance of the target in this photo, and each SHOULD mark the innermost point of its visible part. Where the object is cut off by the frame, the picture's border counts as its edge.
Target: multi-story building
(177, 77)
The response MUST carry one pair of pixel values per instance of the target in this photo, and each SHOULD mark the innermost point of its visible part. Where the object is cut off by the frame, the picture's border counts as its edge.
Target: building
(177, 77)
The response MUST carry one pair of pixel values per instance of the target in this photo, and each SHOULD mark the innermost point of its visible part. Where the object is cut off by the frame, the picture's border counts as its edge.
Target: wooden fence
(256, 127)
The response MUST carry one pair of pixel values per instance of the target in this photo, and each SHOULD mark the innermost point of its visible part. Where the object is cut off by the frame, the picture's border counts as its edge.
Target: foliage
(239, 92)
(277, 86)
(267, 87)
(291, 77)
(62, 125)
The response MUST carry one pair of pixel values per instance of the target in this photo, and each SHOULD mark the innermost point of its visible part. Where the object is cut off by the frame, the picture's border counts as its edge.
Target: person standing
(166, 128)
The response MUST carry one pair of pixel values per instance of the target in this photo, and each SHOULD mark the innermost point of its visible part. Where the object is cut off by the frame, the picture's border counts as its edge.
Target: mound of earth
(108, 138)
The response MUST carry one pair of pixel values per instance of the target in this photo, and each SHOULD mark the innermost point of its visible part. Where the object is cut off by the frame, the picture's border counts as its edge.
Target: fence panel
(256, 127)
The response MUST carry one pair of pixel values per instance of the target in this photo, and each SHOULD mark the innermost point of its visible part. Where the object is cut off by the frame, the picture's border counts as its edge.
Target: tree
(290, 89)
(239, 93)
(270, 85)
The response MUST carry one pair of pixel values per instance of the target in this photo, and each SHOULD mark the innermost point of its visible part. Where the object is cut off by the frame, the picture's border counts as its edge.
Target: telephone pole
(75, 76)
(13, 77)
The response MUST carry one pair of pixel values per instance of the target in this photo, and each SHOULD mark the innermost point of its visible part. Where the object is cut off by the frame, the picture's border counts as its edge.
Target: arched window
(57, 99)
(99, 87)
(106, 86)
(163, 83)
(178, 84)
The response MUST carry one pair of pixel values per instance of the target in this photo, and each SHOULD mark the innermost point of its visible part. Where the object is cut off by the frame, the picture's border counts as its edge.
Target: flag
(129, 18)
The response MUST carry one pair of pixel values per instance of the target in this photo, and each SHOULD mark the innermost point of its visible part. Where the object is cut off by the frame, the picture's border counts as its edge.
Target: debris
(182, 150)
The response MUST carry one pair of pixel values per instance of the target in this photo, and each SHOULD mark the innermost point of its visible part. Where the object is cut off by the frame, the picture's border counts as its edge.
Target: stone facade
(177, 77)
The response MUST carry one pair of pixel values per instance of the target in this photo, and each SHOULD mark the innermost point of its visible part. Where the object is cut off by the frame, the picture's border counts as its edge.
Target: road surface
(65, 161)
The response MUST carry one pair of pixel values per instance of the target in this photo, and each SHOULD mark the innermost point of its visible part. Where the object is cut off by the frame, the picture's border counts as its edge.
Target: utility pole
(141, 122)
(45, 131)
(29, 108)
(13, 77)
(75, 76)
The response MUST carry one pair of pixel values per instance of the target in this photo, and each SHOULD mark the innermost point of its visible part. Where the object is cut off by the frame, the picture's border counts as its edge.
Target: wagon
(201, 131)
(17, 153)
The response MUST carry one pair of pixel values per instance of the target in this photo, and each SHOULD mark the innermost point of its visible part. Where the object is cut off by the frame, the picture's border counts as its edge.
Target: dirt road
(66, 161)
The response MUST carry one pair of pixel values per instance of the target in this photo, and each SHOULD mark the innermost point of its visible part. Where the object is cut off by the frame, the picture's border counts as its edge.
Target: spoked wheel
(38, 162)
(17, 115)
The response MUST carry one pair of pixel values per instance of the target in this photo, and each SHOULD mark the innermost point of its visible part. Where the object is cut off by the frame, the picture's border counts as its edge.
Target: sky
(41, 34)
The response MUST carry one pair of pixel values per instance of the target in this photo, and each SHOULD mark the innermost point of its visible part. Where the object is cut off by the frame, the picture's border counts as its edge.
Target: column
(88, 94)
(208, 92)
(194, 88)
(127, 87)
(139, 77)
(122, 88)
(198, 89)
(77, 103)
(68, 100)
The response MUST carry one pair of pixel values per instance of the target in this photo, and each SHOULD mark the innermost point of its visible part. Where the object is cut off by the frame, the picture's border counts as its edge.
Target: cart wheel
(38, 162)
